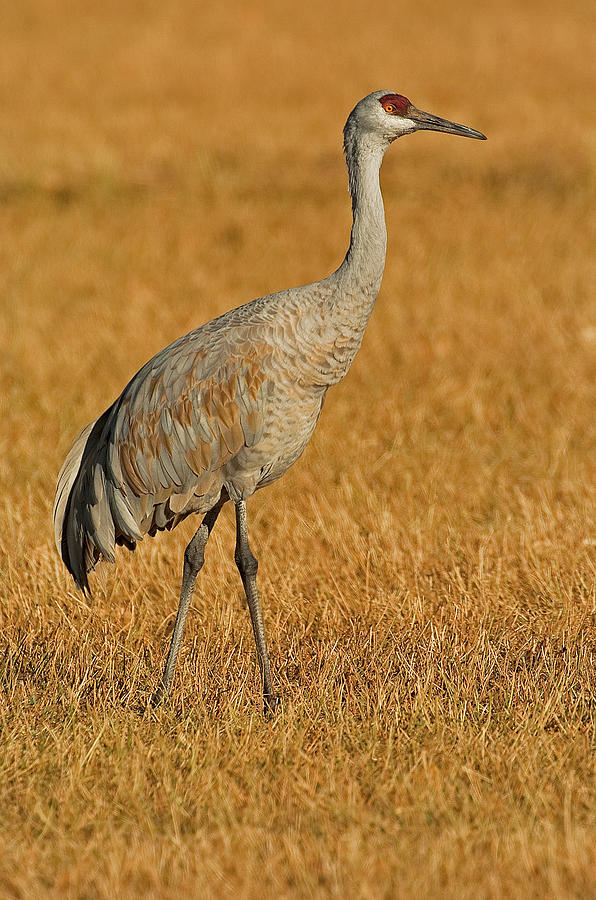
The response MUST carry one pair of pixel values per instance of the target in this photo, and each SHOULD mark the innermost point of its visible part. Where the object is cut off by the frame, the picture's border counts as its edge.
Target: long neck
(365, 259)
(356, 283)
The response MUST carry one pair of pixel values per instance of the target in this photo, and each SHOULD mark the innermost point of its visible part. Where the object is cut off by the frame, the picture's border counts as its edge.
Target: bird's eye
(390, 108)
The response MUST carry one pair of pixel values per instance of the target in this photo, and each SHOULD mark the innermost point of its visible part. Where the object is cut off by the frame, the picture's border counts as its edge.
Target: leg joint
(246, 562)
(194, 555)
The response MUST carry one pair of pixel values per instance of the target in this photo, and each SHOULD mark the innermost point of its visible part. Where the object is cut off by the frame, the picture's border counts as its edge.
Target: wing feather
(183, 417)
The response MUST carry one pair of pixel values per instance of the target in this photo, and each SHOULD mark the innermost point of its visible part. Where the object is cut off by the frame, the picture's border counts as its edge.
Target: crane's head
(386, 116)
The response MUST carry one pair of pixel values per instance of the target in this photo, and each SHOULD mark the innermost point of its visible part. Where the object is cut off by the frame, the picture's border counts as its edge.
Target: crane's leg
(247, 566)
(194, 556)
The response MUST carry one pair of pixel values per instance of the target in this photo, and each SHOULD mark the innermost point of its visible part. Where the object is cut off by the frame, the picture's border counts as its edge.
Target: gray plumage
(226, 409)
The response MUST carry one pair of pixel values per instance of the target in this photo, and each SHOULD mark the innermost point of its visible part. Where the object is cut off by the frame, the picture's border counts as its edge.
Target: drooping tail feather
(66, 478)
(88, 518)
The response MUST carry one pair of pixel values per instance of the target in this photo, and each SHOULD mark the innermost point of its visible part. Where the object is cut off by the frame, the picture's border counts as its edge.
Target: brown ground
(428, 567)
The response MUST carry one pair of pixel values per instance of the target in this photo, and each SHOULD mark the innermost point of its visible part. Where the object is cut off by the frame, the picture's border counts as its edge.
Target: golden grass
(428, 567)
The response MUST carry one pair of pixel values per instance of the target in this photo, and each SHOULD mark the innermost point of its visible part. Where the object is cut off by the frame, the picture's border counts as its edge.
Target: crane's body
(229, 406)
(226, 409)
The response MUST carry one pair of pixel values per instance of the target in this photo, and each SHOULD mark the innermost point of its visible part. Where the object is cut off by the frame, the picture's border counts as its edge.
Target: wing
(181, 419)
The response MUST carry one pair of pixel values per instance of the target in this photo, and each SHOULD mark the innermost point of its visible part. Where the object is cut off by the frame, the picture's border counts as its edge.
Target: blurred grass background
(427, 568)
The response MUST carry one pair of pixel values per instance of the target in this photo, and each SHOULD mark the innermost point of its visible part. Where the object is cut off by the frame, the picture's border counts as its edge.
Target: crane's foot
(271, 703)
(159, 696)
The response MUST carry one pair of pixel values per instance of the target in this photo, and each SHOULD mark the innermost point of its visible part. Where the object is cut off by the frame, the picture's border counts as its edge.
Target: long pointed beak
(427, 122)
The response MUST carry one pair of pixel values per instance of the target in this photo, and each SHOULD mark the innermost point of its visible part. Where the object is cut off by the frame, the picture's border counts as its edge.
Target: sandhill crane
(227, 409)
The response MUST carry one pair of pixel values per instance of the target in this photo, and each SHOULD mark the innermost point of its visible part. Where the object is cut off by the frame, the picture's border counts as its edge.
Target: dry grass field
(427, 568)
